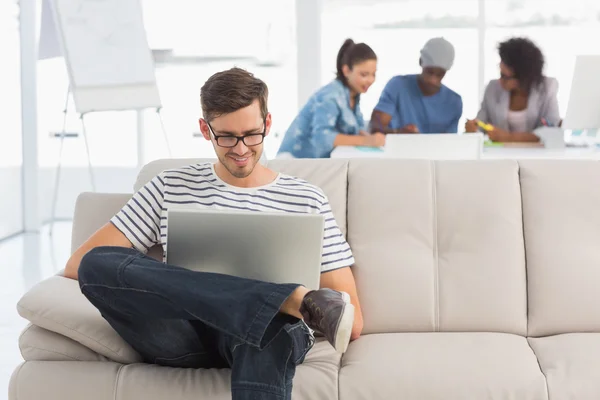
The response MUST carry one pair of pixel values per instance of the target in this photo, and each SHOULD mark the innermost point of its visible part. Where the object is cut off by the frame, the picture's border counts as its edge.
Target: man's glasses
(229, 141)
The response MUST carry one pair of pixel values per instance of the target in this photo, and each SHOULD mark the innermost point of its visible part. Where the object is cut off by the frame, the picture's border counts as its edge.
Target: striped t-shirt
(143, 220)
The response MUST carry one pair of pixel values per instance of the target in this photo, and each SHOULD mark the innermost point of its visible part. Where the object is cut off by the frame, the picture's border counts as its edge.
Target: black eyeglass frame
(238, 138)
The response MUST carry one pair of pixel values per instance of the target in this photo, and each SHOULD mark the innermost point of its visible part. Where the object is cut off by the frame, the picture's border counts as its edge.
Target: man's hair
(526, 59)
(230, 90)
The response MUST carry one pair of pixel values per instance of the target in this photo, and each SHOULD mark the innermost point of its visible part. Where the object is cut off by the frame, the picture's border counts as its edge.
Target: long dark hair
(351, 54)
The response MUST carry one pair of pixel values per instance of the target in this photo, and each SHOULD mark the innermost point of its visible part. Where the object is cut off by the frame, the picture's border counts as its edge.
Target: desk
(489, 153)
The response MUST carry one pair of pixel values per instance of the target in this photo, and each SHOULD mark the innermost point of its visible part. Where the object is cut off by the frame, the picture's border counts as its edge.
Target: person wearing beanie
(421, 103)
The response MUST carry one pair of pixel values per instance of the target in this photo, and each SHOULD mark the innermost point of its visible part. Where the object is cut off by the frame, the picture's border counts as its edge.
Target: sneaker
(329, 312)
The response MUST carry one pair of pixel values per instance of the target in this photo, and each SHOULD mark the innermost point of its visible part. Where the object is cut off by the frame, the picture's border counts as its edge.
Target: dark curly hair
(526, 60)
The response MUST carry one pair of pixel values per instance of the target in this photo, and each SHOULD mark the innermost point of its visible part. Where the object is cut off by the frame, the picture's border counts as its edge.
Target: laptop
(434, 146)
(273, 247)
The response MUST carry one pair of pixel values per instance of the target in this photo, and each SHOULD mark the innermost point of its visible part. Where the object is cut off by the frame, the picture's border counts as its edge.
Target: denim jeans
(181, 318)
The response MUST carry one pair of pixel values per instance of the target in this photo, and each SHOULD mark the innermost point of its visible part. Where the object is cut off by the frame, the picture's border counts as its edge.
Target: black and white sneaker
(329, 312)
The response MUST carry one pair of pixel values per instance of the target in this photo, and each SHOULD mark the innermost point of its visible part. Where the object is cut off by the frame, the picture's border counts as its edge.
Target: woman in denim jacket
(332, 116)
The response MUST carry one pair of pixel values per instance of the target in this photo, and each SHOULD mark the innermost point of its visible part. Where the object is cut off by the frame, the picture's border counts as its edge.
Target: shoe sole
(344, 331)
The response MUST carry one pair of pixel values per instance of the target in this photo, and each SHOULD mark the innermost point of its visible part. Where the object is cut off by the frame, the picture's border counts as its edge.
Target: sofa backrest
(442, 246)
(438, 245)
(561, 219)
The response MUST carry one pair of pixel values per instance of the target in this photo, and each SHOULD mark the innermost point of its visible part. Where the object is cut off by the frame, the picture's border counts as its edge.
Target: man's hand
(375, 140)
(499, 135)
(410, 128)
(471, 126)
(342, 280)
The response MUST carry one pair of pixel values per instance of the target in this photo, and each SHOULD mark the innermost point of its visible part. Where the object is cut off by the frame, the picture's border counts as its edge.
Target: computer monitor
(583, 110)
(434, 146)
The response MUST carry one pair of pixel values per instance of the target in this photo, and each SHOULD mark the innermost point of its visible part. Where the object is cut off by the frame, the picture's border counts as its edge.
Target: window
(259, 37)
(11, 155)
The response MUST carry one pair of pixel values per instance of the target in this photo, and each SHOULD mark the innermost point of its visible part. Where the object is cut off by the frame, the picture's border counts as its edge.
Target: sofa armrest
(38, 344)
(56, 304)
(92, 211)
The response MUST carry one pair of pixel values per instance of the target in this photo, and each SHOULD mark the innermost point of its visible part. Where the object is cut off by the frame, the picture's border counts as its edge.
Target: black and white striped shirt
(143, 220)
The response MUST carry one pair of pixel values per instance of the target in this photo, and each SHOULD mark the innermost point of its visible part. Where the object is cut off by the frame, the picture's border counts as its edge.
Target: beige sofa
(478, 280)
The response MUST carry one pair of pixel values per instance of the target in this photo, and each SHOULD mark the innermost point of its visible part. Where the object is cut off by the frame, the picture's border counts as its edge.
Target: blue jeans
(181, 318)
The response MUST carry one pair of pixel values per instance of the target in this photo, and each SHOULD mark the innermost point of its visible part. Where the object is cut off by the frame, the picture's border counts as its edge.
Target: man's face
(241, 159)
(431, 77)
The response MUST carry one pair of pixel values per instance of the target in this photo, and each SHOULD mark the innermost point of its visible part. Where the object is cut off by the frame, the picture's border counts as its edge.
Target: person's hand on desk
(376, 139)
(410, 128)
(471, 126)
(499, 135)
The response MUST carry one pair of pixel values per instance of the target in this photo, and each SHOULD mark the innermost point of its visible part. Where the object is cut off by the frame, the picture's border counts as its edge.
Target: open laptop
(271, 247)
(434, 146)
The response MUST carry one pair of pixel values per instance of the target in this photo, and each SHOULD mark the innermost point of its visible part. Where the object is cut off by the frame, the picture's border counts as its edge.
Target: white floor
(24, 261)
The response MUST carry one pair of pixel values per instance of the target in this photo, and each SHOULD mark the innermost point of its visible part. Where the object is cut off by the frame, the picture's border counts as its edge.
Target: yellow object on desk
(484, 126)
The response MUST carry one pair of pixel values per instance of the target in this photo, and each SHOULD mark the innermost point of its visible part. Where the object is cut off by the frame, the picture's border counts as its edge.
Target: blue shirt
(326, 114)
(403, 100)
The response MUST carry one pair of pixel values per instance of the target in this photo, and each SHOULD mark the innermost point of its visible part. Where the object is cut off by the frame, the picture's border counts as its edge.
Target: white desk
(489, 153)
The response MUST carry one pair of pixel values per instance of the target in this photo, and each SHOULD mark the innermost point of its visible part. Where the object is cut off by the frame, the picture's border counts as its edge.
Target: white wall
(11, 216)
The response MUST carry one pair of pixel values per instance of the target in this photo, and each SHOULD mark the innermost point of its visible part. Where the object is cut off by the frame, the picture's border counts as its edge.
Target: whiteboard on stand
(106, 51)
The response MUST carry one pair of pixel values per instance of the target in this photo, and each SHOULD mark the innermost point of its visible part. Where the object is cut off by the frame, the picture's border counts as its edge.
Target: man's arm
(453, 126)
(380, 123)
(108, 235)
(137, 225)
(342, 280)
(500, 135)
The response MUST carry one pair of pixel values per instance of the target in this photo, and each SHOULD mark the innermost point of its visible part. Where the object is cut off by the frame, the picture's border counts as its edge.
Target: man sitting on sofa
(181, 318)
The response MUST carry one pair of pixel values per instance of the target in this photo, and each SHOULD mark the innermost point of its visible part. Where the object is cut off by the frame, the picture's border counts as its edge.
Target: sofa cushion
(394, 270)
(38, 344)
(57, 305)
(438, 245)
(561, 217)
(571, 363)
(316, 378)
(60, 380)
(441, 365)
(92, 211)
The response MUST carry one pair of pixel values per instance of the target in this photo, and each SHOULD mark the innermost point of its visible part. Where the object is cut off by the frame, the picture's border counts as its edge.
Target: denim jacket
(326, 114)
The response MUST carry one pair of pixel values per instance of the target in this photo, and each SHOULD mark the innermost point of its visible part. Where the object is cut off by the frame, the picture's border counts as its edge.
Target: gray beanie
(437, 52)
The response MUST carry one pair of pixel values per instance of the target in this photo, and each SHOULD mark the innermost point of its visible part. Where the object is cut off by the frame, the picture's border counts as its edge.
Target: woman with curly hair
(522, 99)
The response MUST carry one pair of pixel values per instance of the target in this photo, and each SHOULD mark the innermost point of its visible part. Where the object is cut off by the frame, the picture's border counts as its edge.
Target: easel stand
(64, 134)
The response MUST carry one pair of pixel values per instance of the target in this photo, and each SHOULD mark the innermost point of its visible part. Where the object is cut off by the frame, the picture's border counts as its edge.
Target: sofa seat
(571, 364)
(316, 378)
(441, 365)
